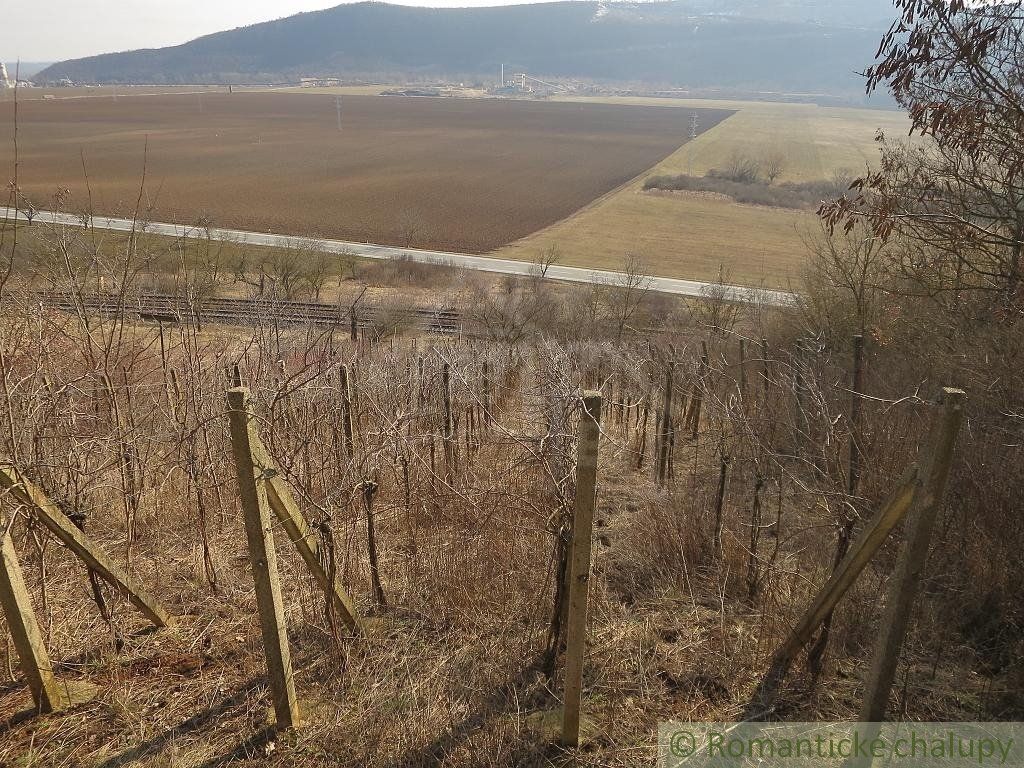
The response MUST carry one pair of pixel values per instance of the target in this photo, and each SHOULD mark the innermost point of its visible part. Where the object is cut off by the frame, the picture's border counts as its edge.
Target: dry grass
(813, 141)
(449, 676)
(695, 236)
(680, 235)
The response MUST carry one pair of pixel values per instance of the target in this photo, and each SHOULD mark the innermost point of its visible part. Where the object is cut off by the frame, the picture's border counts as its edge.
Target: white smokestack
(5, 81)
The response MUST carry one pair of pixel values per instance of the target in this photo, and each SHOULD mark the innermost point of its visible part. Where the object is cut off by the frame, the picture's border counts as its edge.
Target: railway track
(168, 308)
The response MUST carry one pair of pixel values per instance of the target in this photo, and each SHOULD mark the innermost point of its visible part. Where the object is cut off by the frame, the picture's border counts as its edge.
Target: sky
(53, 30)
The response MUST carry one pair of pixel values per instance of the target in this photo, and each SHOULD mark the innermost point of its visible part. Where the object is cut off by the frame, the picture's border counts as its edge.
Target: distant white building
(319, 82)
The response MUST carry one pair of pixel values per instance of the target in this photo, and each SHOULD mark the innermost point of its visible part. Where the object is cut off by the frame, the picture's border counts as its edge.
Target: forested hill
(791, 45)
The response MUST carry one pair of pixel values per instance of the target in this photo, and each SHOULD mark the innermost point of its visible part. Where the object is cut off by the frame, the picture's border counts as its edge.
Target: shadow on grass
(19, 718)
(254, 746)
(25, 715)
(501, 700)
(191, 725)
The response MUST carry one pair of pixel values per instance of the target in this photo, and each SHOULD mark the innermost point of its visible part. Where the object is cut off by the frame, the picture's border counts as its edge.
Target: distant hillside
(792, 45)
(841, 13)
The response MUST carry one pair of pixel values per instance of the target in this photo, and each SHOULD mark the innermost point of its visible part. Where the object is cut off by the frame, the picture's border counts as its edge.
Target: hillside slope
(755, 44)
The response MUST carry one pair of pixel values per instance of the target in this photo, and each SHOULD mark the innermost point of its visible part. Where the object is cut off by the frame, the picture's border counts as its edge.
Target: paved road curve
(369, 251)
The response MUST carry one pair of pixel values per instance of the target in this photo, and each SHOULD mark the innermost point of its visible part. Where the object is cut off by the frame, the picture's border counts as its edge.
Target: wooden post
(816, 655)
(21, 621)
(867, 544)
(904, 583)
(657, 443)
(487, 395)
(800, 390)
(753, 563)
(765, 373)
(743, 367)
(284, 506)
(419, 382)
(346, 408)
(853, 480)
(666, 425)
(252, 486)
(51, 516)
(369, 491)
(698, 391)
(579, 565)
(723, 483)
(287, 510)
(920, 490)
(642, 429)
(447, 435)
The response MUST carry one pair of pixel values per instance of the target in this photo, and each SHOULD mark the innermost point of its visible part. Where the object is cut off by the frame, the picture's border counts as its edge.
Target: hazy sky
(52, 30)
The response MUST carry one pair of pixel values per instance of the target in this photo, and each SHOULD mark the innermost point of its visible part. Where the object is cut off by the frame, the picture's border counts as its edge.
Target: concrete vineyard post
(283, 504)
(919, 493)
(579, 565)
(24, 629)
(252, 486)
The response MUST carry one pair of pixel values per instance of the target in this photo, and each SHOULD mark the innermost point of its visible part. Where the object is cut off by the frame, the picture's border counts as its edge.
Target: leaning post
(579, 565)
(906, 579)
(21, 621)
(252, 486)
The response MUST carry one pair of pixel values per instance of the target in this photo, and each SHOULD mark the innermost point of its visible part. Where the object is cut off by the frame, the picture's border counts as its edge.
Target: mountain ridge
(754, 44)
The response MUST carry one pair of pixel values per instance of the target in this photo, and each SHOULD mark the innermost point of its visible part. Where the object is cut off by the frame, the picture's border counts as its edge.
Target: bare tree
(510, 314)
(347, 264)
(545, 259)
(409, 225)
(716, 309)
(844, 283)
(743, 168)
(628, 292)
(284, 267)
(317, 266)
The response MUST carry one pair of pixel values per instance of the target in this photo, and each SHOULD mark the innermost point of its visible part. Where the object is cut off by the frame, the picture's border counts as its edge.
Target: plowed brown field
(448, 174)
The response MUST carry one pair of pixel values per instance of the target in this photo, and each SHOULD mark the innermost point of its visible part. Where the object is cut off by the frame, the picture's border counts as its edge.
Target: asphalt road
(370, 251)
